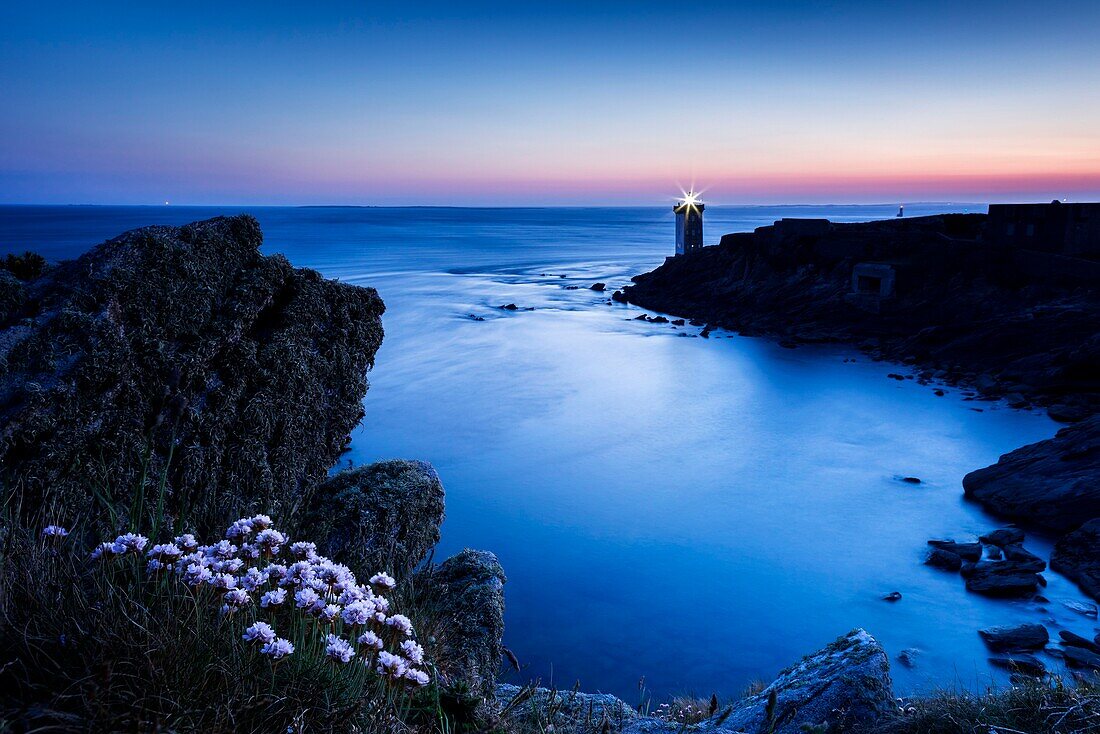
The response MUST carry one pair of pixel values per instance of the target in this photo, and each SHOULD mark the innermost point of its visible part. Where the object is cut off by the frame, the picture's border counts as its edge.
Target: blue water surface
(697, 513)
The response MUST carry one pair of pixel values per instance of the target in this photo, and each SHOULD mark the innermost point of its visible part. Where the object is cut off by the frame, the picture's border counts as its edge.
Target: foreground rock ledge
(183, 342)
(844, 685)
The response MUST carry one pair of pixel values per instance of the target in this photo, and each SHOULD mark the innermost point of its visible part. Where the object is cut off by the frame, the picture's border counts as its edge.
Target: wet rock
(184, 341)
(1051, 483)
(1078, 657)
(938, 393)
(843, 686)
(940, 558)
(1003, 578)
(463, 602)
(598, 287)
(1068, 412)
(658, 320)
(1071, 639)
(381, 517)
(908, 657)
(911, 480)
(1003, 537)
(1082, 608)
(677, 322)
(968, 551)
(1017, 637)
(1077, 555)
(1020, 663)
(618, 297)
(892, 596)
(510, 307)
(1019, 553)
(994, 553)
(643, 317)
(895, 376)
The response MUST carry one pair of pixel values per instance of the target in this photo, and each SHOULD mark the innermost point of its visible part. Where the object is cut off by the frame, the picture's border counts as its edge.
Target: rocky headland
(939, 295)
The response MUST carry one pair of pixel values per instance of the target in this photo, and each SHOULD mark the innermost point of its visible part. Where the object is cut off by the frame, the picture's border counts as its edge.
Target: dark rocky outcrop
(1077, 555)
(180, 354)
(381, 517)
(570, 710)
(463, 599)
(1020, 663)
(1019, 637)
(843, 685)
(1071, 639)
(1003, 537)
(962, 307)
(1051, 483)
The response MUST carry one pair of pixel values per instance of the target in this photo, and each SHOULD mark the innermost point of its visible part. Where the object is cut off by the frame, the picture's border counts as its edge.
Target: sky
(562, 103)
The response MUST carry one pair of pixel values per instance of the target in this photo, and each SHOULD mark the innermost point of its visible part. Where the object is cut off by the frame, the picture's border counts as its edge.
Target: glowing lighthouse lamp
(689, 224)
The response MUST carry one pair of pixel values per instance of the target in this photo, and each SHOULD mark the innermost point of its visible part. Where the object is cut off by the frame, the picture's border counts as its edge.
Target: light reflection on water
(701, 512)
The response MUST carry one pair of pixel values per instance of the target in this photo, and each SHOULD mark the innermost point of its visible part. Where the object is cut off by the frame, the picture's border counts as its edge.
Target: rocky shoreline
(208, 381)
(964, 313)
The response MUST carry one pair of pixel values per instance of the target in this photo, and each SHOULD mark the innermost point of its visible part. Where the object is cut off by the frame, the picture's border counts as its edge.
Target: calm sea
(695, 512)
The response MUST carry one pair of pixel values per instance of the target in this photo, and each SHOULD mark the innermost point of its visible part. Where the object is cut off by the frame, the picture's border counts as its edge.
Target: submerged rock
(945, 559)
(1071, 639)
(182, 355)
(1077, 555)
(381, 517)
(463, 601)
(1018, 637)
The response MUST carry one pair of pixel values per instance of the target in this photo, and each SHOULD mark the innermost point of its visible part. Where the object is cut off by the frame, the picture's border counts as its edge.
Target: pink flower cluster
(256, 569)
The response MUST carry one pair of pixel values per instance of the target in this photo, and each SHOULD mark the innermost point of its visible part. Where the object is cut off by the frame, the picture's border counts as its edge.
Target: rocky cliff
(180, 358)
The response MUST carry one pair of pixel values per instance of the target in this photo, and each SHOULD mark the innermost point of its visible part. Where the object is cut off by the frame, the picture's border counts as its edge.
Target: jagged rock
(463, 602)
(1051, 483)
(968, 551)
(1003, 537)
(382, 517)
(1020, 663)
(1077, 555)
(1003, 578)
(940, 558)
(182, 354)
(1019, 553)
(572, 710)
(1018, 637)
(1074, 640)
(844, 685)
(599, 287)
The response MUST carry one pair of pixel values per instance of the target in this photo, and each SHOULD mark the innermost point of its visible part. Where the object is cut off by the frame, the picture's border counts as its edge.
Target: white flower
(103, 551)
(154, 566)
(382, 580)
(391, 665)
(197, 573)
(304, 550)
(186, 541)
(253, 579)
(416, 677)
(224, 581)
(328, 613)
(339, 649)
(278, 648)
(165, 552)
(370, 640)
(261, 521)
(401, 623)
(237, 597)
(249, 550)
(270, 540)
(130, 543)
(309, 600)
(413, 651)
(358, 612)
(240, 529)
(231, 565)
(260, 631)
(54, 531)
(222, 549)
(297, 574)
(273, 598)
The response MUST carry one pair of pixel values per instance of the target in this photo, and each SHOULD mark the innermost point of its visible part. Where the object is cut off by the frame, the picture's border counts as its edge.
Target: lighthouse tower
(689, 224)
